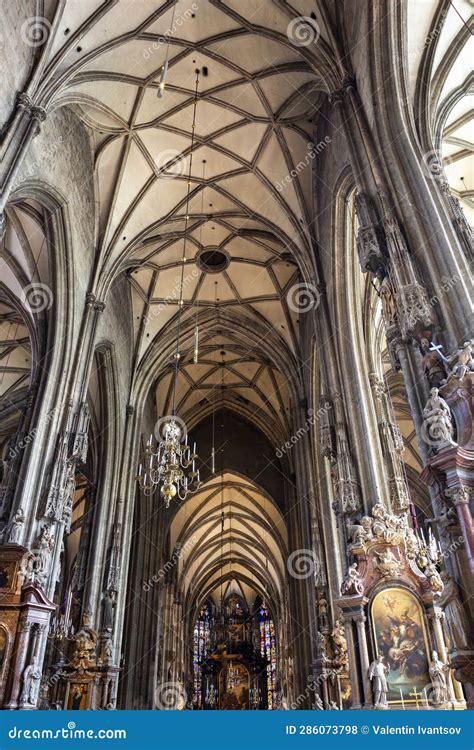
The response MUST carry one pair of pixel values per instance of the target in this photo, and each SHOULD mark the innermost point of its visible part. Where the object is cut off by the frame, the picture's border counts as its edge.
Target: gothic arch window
(268, 650)
(201, 644)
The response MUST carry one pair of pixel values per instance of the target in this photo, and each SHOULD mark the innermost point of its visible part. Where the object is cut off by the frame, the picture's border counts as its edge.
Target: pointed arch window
(268, 650)
(201, 643)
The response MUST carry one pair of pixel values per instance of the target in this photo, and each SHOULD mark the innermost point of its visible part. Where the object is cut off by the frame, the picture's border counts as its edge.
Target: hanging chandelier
(168, 464)
(171, 463)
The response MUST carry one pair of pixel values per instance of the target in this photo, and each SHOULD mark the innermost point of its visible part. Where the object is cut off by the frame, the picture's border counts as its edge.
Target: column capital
(459, 495)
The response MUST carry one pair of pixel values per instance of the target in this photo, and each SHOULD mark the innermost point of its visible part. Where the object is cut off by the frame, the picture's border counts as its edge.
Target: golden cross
(415, 694)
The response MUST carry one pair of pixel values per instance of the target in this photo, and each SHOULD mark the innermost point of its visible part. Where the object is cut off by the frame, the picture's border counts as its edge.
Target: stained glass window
(200, 651)
(268, 650)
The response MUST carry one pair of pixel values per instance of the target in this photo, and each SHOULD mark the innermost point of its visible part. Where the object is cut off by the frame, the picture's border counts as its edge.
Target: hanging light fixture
(164, 69)
(172, 464)
(213, 447)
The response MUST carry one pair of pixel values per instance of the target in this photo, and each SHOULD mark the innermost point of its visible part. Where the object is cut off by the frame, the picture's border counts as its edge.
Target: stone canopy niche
(389, 603)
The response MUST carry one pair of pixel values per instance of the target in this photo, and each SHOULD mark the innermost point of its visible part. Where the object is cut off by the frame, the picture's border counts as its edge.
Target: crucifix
(415, 695)
(437, 348)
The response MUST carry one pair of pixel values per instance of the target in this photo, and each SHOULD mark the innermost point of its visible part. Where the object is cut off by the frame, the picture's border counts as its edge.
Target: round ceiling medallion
(212, 260)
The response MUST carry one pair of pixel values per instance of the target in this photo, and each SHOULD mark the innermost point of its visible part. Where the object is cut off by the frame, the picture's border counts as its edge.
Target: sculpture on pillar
(378, 675)
(31, 684)
(339, 644)
(463, 362)
(386, 526)
(108, 650)
(85, 645)
(352, 584)
(437, 427)
(434, 578)
(439, 680)
(81, 433)
(108, 604)
(388, 564)
(36, 565)
(68, 496)
(322, 644)
(387, 298)
(432, 364)
(361, 532)
(15, 526)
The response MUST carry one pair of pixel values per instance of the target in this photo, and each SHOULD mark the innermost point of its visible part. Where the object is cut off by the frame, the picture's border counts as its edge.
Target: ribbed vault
(230, 530)
(25, 298)
(440, 51)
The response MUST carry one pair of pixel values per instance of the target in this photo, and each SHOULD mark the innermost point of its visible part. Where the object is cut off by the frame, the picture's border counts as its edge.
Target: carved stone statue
(31, 684)
(439, 680)
(15, 526)
(85, 648)
(446, 518)
(322, 609)
(437, 425)
(387, 298)
(378, 675)
(432, 364)
(388, 564)
(339, 643)
(386, 526)
(108, 648)
(322, 644)
(108, 604)
(352, 584)
(37, 561)
(463, 362)
(81, 432)
(434, 578)
(68, 496)
(360, 533)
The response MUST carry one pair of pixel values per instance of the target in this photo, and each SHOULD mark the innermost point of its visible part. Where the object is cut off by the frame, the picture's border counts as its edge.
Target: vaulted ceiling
(262, 71)
(25, 298)
(229, 532)
(440, 52)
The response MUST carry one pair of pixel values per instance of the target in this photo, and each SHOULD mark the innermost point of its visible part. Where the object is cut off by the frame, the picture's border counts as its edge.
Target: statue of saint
(387, 298)
(437, 421)
(352, 584)
(15, 525)
(439, 679)
(378, 675)
(108, 603)
(463, 362)
(31, 683)
(433, 365)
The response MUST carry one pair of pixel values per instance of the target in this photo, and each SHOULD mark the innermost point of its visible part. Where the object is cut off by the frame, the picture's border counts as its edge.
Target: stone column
(360, 621)
(23, 638)
(22, 129)
(460, 497)
(352, 656)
